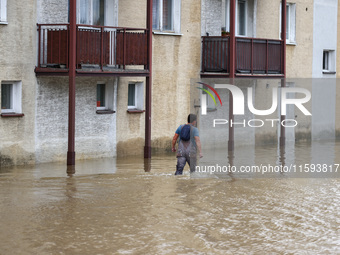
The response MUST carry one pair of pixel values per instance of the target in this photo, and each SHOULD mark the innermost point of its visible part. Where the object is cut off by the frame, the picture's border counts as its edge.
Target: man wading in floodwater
(189, 143)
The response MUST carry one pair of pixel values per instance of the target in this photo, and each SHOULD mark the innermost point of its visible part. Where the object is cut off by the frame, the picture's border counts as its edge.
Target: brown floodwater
(132, 206)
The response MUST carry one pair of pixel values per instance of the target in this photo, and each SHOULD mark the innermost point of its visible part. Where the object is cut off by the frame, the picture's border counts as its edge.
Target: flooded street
(127, 206)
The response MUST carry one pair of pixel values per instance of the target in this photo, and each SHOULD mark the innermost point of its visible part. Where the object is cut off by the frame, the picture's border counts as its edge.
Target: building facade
(132, 93)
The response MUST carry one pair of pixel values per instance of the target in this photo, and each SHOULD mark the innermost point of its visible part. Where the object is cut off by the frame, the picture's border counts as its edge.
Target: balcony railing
(97, 46)
(253, 55)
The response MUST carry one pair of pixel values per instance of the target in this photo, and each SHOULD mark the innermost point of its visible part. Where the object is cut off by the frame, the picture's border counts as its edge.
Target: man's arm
(174, 140)
(199, 147)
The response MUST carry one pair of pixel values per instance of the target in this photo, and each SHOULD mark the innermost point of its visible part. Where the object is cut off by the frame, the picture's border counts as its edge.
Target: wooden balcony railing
(215, 54)
(253, 55)
(99, 46)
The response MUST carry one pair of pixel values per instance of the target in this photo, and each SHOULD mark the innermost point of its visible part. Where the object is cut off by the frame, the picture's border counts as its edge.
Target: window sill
(166, 33)
(328, 72)
(3, 23)
(291, 43)
(135, 111)
(105, 112)
(11, 114)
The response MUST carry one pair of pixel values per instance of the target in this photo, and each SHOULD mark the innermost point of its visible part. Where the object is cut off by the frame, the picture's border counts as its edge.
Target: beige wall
(17, 62)
(299, 57)
(176, 59)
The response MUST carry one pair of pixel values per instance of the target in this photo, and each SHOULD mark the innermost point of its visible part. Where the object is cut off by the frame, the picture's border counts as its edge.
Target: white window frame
(291, 20)
(3, 12)
(109, 96)
(139, 96)
(16, 97)
(102, 108)
(330, 61)
(246, 18)
(176, 19)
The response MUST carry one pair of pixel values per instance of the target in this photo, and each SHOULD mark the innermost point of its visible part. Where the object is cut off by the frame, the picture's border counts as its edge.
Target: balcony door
(97, 12)
(91, 12)
(245, 22)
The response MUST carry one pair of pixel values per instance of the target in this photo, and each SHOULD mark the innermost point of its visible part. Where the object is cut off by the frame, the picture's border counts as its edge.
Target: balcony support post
(72, 84)
(232, 68)
(283, 68)
(147, 147)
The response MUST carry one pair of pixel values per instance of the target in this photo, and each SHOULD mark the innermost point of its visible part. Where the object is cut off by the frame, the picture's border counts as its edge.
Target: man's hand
(174, 140)
(201, 155)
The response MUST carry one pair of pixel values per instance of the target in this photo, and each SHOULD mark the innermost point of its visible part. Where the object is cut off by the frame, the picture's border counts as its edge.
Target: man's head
(192, 118)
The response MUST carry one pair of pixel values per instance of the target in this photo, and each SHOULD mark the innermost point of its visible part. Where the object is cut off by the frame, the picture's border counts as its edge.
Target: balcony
(253, 57)
(100, 50)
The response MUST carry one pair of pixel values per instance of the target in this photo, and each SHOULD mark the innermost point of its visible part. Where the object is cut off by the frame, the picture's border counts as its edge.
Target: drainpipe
(72, 84)
(283, 81)
(148, 98)
(232, 67)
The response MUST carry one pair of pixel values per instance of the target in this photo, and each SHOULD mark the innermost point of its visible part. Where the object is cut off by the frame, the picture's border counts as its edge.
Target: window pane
(6, 96)
(325, 65)
(167, 15)
(155, 14)
(131, 95)
(241, 17)
(100, 95)
(287, 22)
(84, 12)
(98, 12)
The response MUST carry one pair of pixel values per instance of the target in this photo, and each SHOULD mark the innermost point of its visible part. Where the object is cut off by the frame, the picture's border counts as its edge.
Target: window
(101, 97)
(91, 12)
(135, 96)
(105, 98)
(325, 63)
(11, 97)
(166, 15)
(211, 106)
(328, 61)
(132, 96)
(290, 22)
(241, 17)
(3, 11)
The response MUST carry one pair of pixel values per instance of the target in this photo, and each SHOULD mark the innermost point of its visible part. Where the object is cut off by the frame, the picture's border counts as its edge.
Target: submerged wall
(95, 133)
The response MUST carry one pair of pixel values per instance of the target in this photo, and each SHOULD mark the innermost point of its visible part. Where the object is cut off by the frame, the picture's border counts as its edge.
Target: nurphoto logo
(238, 104)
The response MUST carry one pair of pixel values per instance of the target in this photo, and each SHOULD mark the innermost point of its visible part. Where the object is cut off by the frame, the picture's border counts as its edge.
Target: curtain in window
(167, 15)
(98, 12)
(84, 12)
(287, 21)
(241, 13)
(155, 14)
(92, 12)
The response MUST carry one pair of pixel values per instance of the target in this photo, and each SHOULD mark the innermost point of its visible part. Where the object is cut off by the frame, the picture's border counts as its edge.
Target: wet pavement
(132, 206)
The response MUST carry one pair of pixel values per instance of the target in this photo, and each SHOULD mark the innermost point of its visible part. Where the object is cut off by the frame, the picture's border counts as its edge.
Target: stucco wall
(95, 133)
(52, 11)
(212, 19)
(299, 56)
(17, 62)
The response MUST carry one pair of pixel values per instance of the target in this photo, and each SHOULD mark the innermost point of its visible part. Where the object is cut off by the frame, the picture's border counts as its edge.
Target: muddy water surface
(129, 206)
